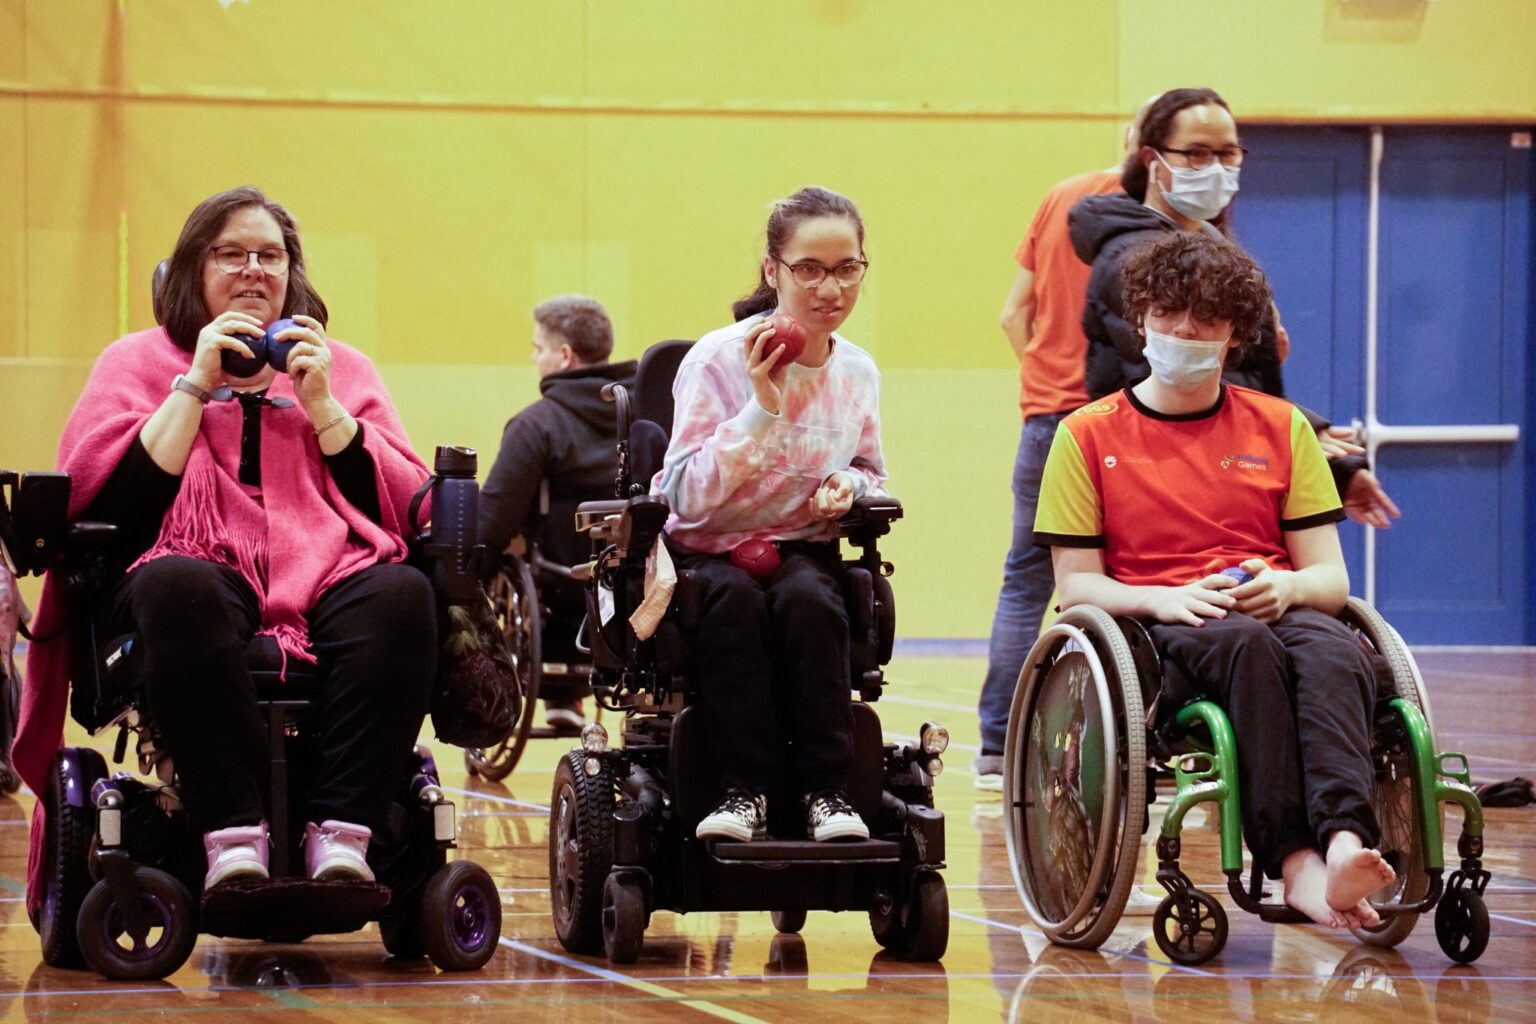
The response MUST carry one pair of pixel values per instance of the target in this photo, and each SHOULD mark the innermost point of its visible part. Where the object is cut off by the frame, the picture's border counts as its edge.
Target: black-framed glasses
(1204, 156)
(234, 258)
(810, 274)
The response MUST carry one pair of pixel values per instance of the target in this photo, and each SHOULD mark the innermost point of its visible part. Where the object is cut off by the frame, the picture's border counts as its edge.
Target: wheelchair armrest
(91, 538)
(870, 517)
(630, 524)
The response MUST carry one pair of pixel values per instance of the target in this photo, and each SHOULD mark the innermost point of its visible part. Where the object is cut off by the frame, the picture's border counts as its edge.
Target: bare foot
(1306, 887)
(1353, 874)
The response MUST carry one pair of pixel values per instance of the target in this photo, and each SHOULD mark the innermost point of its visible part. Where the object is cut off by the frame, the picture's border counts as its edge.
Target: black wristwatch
(182, 384)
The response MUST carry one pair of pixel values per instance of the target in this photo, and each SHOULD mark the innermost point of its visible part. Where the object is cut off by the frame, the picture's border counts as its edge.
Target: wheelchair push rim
(1074, 847)
(515, 599)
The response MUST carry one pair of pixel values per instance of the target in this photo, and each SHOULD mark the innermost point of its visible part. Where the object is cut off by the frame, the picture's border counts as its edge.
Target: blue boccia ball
(241, 367)
(1238, 573)
(278, 351)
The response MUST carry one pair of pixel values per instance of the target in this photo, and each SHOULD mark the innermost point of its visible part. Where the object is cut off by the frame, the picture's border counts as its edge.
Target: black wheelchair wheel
(516, 601)
(401, 934)
(1461, 925)
(885, 923)
(1190, 936)
(1075, 778)
(114, 954)
(1393, 798)
(925, 923)
(580, 851)
(789, 922)
(66, 861)
(623, 919)
(460, 917)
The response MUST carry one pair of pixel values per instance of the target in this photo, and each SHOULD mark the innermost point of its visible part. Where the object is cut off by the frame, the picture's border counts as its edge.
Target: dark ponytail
(810, 202)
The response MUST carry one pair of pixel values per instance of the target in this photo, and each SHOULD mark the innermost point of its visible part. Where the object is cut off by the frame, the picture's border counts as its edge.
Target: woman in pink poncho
(270, 503)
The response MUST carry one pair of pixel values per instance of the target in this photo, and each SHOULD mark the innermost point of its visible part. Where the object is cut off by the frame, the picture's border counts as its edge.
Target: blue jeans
(1027, 585)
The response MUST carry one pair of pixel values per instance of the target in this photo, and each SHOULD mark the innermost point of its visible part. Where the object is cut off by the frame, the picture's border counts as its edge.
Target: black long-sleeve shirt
(139, 493)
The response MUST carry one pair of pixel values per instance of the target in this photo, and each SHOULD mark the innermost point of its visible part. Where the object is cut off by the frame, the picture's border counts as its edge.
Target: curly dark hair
(1213, 278)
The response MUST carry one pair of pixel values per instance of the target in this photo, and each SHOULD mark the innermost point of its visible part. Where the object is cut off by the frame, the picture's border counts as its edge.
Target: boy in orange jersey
(1150, 492)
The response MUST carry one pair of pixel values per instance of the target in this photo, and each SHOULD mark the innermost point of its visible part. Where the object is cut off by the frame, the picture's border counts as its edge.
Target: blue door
(1447, 405)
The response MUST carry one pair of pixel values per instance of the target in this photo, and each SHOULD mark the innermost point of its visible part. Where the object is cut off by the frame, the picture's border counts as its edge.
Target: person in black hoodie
(565, 440)
(1182, 178)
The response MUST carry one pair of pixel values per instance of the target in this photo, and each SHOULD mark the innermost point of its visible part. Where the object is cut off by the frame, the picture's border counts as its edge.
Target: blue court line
(1513, 920)
(493, 798)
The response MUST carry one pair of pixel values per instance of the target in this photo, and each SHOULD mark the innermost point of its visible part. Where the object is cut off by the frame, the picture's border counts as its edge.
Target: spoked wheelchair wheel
(1392, 793)
(516, 601)
(1075, 777)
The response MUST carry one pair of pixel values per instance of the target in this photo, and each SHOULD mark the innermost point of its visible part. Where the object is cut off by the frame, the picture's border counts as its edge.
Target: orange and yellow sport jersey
(1171, 499)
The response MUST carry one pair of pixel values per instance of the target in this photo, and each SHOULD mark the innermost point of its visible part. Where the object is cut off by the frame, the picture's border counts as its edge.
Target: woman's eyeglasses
(811, 274)
(234, 258)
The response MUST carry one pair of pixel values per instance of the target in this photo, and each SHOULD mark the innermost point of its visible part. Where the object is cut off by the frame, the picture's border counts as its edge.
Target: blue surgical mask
(1200, 193)
(1181, 362)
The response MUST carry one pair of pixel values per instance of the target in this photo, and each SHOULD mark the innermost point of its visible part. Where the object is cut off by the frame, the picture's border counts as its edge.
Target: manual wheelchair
(1088, 737)
(540, 608)
(622, 819)
(122, 866)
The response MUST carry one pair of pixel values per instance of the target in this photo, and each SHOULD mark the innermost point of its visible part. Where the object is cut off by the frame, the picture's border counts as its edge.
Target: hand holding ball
(1237, 573)
(787, 335)
(264, 350)
(760, 558)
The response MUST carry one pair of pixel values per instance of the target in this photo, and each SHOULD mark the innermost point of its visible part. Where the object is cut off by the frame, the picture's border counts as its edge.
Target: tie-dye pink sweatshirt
(733, 471)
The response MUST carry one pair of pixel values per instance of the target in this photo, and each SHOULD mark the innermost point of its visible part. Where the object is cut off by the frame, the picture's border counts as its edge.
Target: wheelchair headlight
(934, 739)
(935, 767)
(594, 738)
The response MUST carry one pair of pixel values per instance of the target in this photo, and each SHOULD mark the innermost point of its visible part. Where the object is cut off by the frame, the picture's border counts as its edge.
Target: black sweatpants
(1300, 693)
(375, 637)
(772, 662)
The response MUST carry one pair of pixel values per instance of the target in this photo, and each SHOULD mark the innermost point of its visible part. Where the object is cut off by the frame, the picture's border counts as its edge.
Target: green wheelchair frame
(1074, 879)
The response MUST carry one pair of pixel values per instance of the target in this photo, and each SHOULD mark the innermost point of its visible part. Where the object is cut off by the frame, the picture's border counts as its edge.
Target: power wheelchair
(1089, 736)
(123, 868)
(540, 607)
(622, 820)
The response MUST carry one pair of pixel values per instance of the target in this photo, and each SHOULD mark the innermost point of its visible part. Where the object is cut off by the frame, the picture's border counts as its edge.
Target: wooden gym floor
(733, 967)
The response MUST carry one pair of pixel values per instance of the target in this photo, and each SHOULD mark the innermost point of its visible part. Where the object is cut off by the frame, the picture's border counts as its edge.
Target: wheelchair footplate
(805, 851)
(255, 910)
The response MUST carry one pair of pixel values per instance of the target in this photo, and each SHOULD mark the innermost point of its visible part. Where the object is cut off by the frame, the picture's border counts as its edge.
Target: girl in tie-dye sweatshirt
(763, 451)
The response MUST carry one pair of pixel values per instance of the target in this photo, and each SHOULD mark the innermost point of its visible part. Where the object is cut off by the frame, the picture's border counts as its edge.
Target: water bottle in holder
(456, 521)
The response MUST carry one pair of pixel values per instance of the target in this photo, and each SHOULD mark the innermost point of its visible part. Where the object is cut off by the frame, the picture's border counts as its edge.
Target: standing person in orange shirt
(1042, 318)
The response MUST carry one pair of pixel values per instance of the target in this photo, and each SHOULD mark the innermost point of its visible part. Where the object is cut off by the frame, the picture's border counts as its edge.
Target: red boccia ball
(788, 335)
(758, 557)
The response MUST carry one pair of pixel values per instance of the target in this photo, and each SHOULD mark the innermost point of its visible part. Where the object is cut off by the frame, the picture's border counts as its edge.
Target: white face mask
(1200, 194)
(1182, 363)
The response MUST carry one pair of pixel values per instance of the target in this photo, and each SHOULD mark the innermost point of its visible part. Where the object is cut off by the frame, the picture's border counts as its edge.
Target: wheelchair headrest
(652, 395)
(647, 451)
(156, 281)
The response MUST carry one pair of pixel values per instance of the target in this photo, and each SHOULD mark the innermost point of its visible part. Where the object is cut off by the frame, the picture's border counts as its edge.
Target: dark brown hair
(1156, 127)
(1212, 278)
(180, 294)
(581, 323)
(788, 213)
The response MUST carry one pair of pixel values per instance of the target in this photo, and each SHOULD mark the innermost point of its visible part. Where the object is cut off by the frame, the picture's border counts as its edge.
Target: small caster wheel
(168, 939)
(1461, 925)
(623, 919)
(926, 921)
(460, 917)
(789, 922)
(1187, 938)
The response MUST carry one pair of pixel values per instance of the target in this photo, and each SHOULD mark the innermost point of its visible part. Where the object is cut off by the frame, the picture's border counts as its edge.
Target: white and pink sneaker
(236, 854)
(337, 851)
